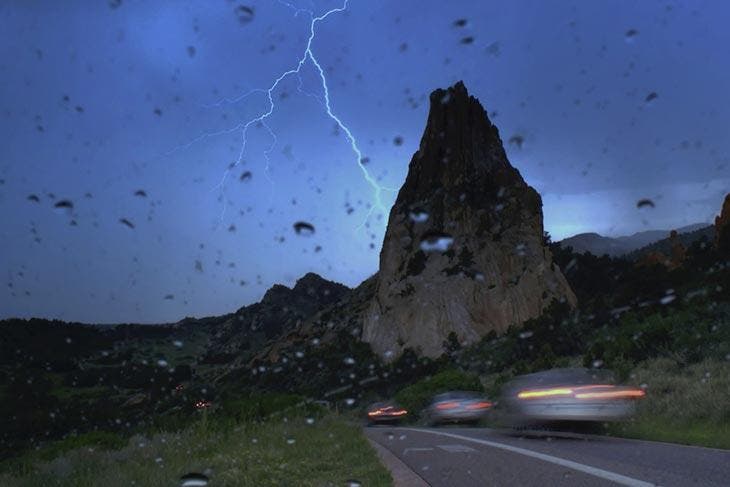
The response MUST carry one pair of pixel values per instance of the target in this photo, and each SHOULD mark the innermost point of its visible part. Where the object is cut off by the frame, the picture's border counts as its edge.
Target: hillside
(619, 246)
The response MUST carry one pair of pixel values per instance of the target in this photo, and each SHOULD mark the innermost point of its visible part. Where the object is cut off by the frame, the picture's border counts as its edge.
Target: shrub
(256, 407)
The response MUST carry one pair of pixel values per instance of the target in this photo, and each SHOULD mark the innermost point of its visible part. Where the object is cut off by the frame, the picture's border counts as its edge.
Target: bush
(103, 440)
(256, 407)
(416, 397)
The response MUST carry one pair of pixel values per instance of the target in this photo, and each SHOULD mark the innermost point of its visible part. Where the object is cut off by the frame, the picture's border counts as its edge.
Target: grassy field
(297, 450)
(684, 404)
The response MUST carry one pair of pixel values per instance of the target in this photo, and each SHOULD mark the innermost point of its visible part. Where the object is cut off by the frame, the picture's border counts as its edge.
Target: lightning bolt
(325, 101)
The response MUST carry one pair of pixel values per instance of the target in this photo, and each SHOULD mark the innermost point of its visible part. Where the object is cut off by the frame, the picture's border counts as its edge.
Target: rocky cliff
(722, 227)
(464, 250)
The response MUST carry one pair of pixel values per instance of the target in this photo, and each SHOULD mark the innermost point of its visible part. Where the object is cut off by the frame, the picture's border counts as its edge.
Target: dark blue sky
(99, 102)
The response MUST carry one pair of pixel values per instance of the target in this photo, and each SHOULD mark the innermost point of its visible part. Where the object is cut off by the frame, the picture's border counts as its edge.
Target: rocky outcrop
(279, 312)
(722, 228)
(679, 251)
(464, 251)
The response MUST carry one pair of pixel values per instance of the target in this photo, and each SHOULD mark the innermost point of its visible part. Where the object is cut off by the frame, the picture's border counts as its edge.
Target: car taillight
(389, 411)
(447, 405)
(480, 405)
(593, 391)
(617, 394)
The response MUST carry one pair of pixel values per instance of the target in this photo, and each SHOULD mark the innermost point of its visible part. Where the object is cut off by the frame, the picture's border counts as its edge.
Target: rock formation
(280, 311)
(722, 228)
(464, 250)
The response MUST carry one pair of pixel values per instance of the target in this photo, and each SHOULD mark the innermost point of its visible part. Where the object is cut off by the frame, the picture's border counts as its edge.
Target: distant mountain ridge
(598, 244)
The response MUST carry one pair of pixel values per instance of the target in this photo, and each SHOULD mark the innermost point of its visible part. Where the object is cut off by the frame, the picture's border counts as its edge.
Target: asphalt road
(481, 457)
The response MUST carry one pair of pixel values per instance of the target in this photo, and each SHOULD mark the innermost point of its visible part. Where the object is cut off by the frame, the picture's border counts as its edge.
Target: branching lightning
(325, 101)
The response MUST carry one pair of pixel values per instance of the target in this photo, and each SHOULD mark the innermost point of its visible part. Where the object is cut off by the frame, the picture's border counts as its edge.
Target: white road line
(456, 448)
(596, 472)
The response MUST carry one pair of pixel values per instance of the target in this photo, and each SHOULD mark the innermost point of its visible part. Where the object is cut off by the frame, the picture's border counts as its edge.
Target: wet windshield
(364, 242)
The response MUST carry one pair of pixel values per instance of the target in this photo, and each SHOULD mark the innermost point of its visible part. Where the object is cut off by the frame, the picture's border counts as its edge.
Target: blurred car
(570, 394)
(457, 407)
(385, 412)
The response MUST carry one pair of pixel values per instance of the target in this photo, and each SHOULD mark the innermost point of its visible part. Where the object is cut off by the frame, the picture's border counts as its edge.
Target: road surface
(482, 457)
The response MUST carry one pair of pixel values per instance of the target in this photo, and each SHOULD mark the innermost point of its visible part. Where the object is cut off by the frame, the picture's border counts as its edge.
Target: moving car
(457, 407)
(385, 412)
(570, 394)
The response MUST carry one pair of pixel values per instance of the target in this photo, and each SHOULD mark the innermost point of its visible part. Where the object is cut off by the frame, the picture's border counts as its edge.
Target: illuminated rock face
(464, 250)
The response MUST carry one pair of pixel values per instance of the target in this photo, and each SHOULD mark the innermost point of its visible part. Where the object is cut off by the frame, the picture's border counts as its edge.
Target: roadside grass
(684, 404)
(291, 450)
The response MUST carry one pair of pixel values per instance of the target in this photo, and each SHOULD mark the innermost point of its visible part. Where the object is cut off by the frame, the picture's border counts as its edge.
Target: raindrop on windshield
(244, 13)
(304, 228)
(193, 479)
(418, 216)
(436, 242)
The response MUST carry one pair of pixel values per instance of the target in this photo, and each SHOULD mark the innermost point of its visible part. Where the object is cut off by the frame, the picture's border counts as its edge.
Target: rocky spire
(464, 251)
(722, 227)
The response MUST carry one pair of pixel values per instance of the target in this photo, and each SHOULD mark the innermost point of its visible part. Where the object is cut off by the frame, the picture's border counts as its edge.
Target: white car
(567, 395)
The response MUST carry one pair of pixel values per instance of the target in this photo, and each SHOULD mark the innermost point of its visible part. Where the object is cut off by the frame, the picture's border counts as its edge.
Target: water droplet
(310, 420)
(526, 334)
(177, 343)
(162, 363)
(290, 441)
(597, 364)
(353, 483)
(303, 228)
(436, 242)
(521, 249)
(349, 361)
(349, 401)
(418, 216)
(645, 203)
(193, 479)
